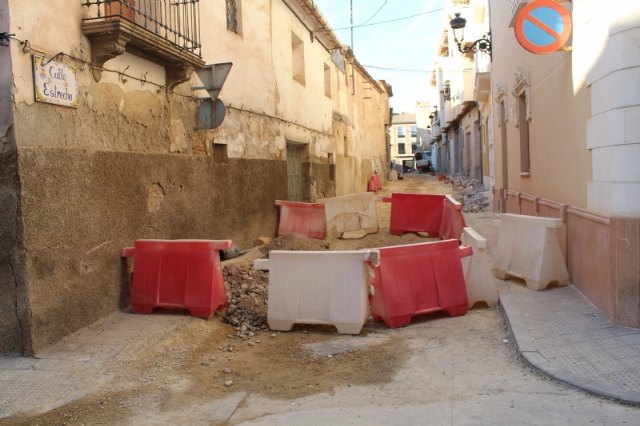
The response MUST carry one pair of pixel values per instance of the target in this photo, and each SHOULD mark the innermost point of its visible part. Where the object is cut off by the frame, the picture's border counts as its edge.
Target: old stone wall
(13, 309)
(13, 306)
(80, 208)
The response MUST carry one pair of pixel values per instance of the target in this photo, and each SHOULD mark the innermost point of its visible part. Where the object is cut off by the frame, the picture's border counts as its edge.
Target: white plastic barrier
(528, 248)
(351, 215)
(317, 287)
(476, 269)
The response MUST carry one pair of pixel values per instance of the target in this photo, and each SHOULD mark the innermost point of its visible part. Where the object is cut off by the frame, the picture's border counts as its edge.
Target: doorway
(295, 171)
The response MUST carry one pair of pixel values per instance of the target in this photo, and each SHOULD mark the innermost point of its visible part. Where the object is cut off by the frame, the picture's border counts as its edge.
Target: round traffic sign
(211, 113)
(543, 26)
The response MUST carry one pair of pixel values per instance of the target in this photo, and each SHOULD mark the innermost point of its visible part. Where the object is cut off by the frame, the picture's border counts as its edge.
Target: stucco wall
(80, 208)
(559, 108)
(611, 61)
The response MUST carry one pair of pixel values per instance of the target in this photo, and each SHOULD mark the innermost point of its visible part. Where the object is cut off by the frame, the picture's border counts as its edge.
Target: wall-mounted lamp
(482, 44)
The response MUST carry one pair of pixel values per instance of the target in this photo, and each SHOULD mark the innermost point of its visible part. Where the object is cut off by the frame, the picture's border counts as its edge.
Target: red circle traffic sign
(543, 26)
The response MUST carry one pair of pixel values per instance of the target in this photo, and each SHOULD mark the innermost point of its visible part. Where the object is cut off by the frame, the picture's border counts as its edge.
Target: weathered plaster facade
(77, 185)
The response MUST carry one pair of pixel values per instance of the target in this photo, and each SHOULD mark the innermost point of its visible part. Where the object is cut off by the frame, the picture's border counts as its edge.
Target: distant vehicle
(423, 161)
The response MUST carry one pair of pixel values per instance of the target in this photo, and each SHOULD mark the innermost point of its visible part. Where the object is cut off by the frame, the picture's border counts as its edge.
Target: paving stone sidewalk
(561, 333)
(78, 364)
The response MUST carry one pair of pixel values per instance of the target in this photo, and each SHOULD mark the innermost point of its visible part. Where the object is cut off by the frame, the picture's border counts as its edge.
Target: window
(414, 131)
(414, 147)
(501, 99)
(297, 53)
(400, 132)
(338, 60)
(525, 166)
(401, 149)
(233, 16)
(521, 91)
(327, 81)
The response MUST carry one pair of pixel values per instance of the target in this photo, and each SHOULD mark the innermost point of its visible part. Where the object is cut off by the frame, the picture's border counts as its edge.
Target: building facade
(107, 138)
(554, 134)
(566, 143)
(403, 141)
(459, 136)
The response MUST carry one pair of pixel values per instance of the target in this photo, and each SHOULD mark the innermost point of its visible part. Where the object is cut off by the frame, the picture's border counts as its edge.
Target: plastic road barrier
(477, 272)
(418, 279)
(300, 218)
(452, 222)
(350, 214)
(528, 248)
(415, 213)
(317, 287)
(183, 274)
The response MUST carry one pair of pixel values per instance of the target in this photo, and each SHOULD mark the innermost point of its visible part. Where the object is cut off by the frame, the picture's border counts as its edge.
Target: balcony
(481, 71)
(166, 32)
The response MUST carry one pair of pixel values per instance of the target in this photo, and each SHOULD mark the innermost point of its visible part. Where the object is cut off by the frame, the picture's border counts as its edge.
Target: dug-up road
(173, 369)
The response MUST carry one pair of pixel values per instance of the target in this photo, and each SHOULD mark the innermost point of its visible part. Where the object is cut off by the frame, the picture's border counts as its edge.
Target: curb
(528, 351)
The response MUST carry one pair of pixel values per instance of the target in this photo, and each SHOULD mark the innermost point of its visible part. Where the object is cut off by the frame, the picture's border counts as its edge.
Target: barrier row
(340, 288)
(391, 284)
(355, 216)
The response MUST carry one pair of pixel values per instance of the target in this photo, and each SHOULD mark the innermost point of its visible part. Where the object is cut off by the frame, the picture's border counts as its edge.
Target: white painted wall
(613, 133)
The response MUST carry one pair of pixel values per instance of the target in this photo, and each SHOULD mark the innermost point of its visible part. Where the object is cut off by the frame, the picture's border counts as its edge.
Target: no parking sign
(543, 26)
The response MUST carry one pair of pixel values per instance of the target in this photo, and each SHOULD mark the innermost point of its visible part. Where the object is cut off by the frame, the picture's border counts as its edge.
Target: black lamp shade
(458, 22)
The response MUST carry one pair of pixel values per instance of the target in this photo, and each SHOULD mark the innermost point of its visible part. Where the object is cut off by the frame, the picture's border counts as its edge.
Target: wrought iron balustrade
(176, 21)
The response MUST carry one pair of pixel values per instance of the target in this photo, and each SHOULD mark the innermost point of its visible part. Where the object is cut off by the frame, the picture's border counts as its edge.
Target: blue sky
(404, 44)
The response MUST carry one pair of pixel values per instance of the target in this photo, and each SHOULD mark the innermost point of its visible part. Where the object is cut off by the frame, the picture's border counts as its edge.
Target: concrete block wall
(613, 133)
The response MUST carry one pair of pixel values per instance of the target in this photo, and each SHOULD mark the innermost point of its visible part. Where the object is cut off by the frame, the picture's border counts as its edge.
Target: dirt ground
(235, 352)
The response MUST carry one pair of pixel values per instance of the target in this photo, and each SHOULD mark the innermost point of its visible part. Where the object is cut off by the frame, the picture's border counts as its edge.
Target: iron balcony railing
(176, 21)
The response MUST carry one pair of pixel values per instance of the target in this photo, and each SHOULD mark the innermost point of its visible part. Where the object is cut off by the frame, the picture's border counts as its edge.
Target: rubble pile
(247, 291)
(471, 194)
(295, 242)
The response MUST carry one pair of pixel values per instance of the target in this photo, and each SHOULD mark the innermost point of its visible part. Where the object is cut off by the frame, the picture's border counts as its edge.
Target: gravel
(248, 289)
(471, 194)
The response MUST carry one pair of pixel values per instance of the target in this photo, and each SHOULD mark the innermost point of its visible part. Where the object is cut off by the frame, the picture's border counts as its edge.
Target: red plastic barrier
(452, 223)
(415, 213)
(182, 274)
(418, 279)
(302, 219)
(374, 184)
